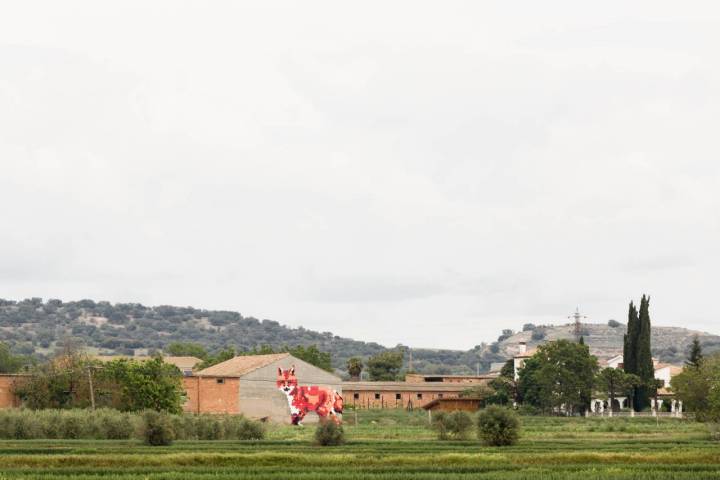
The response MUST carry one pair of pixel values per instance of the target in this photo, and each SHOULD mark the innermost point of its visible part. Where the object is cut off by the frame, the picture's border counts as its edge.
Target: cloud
(376, 172)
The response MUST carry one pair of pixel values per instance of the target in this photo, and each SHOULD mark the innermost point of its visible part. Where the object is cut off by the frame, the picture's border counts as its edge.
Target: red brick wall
(208, 395)
(7, 397)
(388, 399)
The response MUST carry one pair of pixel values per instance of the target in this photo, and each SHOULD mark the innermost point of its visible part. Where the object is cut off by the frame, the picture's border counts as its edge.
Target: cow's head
(286, 380)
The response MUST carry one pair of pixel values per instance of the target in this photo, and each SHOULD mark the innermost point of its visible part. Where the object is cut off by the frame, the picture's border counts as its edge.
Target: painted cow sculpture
(302, 399)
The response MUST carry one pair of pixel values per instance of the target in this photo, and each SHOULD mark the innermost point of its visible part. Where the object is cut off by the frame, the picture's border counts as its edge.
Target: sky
(425, 173)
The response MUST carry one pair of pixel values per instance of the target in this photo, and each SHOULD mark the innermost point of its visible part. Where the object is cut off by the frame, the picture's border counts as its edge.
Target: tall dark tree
(645, 367)
(695, 356)
(630, 341)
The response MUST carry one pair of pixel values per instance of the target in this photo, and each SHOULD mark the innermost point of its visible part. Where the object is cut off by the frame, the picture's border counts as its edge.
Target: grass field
(390, 445)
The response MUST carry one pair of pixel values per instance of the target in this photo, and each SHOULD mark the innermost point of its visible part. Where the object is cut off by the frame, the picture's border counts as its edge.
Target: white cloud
(377, 171)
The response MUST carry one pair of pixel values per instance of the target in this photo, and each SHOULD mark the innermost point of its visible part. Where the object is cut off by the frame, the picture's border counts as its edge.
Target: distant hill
(34, 326)
(669, 344)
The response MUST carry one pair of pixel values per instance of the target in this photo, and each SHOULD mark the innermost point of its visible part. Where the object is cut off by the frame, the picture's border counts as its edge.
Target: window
(440, 395)
(220, 380)
(398, 396)
(419, 396)
(377, 396)
(356, 396)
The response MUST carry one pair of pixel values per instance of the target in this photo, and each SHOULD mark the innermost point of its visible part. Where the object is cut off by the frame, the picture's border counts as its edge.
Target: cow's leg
(300, 417)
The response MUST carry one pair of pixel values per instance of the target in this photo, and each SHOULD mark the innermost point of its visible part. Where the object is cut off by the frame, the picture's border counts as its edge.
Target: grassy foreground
(390, 445)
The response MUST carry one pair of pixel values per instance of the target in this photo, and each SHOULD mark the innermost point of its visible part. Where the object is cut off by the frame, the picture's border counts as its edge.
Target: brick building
(247, 385)
(8, 399)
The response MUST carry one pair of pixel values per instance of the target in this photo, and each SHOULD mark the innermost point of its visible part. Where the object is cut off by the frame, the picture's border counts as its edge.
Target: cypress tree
(630, 341)
(643, 357)
(695, 356)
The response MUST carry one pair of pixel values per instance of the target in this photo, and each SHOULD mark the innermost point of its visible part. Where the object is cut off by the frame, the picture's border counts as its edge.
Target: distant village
(249, 384)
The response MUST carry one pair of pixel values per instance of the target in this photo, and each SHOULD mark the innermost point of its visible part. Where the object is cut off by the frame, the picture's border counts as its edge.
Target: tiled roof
(239, 366)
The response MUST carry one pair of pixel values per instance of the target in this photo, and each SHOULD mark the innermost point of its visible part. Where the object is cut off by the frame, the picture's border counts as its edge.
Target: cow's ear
(279, 371)
(292, 370)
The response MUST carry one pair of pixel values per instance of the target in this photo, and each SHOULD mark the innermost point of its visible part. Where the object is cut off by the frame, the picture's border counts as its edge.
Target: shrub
(74, 424)
(157, 428)
(114, 425)
(241, 428)
(329, 433)
(498, 426)
(454, 425)
(538, 334)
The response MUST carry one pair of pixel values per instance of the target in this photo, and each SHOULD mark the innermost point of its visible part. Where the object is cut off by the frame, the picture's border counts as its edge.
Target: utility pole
(578, 326)
(92, 391)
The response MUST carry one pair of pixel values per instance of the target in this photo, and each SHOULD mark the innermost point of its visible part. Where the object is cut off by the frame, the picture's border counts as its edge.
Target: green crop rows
(389, 445)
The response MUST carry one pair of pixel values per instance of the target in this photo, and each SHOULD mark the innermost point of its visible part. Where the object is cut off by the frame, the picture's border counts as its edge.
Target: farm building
(248, 385)
(473, 379)
(399, 394)
(453, 404)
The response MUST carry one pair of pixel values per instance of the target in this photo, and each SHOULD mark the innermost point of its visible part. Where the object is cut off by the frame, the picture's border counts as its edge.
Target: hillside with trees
(36, 327)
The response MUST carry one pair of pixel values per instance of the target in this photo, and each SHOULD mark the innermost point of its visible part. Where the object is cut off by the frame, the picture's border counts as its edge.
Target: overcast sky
(418, 172)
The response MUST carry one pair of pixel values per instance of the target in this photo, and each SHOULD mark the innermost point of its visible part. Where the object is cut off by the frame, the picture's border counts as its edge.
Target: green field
(390, 445)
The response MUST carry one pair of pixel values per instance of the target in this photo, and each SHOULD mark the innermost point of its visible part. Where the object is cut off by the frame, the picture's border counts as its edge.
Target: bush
(329, 433)
(614, 323)
(455, 425)
(241, 428)
(111, 424)
(498, 426)
(538, 334)
(157, 428)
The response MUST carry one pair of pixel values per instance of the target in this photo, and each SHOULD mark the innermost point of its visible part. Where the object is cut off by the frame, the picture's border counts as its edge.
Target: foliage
(385, 366)
(10, 363)
(695, 356)
(392, 445)
(329, 433)
(151, 384)
(637, 356)
(560, 374)
(312, 355)
(699, 388)
(187, 349)
(614, 323)
(481, 392)
(60, 383)
(538, 334)
(157, 428)
(615, 382)
(645, 366)
(355, 367)
(504, 386)
(498, 426)
(221, 356)
(452, 425)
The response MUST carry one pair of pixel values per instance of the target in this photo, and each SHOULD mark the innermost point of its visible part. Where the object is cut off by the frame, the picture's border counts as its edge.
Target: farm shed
(453, 404)
(248, 385)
